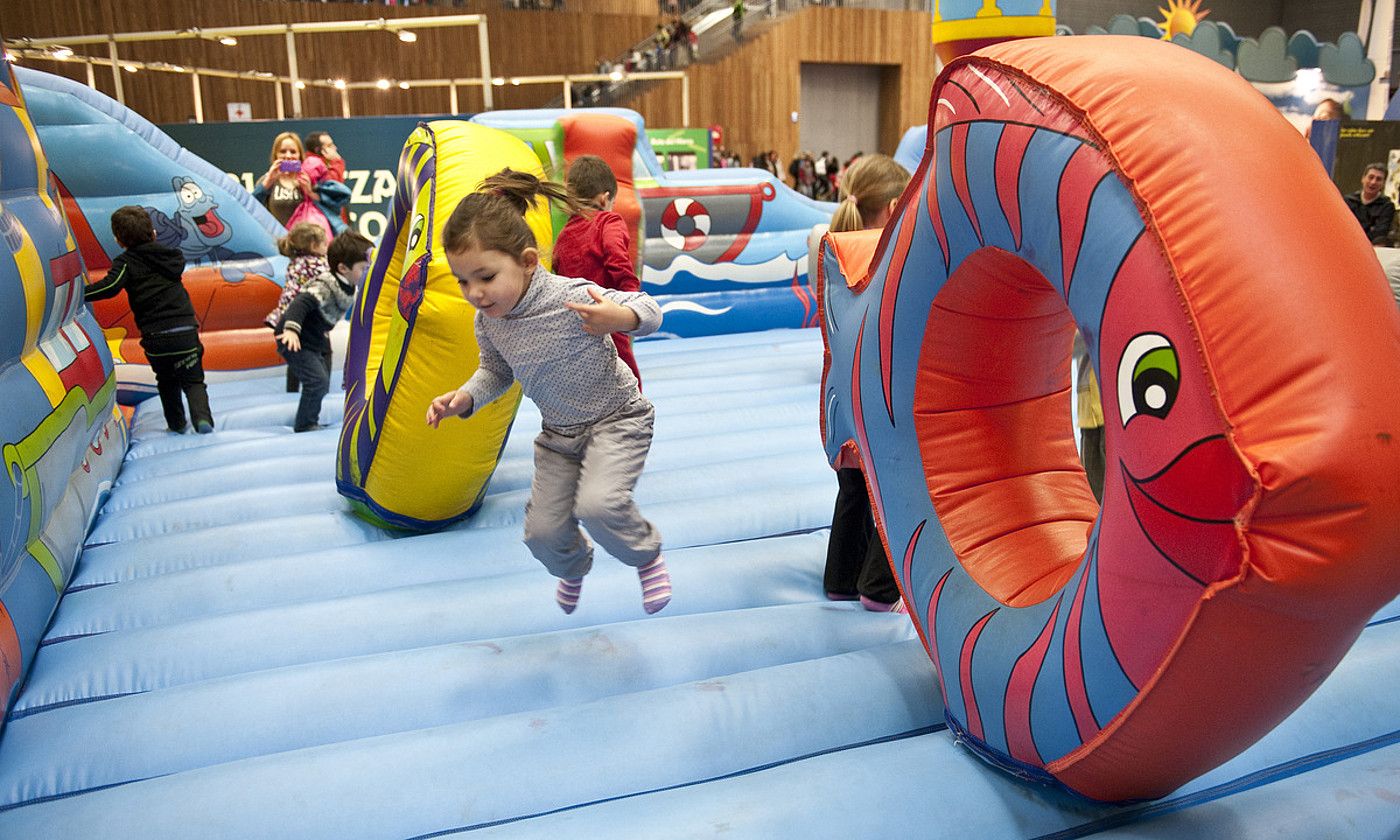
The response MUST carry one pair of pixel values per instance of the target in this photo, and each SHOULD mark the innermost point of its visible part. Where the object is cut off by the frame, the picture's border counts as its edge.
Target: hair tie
(498, 191)
(851, 197)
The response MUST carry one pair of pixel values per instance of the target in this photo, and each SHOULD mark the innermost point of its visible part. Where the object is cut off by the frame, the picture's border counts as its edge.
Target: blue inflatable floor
(240, 657)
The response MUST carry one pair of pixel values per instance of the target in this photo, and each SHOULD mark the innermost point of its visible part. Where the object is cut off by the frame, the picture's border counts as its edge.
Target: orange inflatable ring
(1249, 356)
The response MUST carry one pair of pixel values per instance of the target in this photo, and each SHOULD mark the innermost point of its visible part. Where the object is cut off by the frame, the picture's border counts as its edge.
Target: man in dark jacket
(1373, 210)
(151, 275)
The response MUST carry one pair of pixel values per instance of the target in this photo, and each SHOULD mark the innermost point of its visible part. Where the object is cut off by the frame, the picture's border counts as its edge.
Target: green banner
(681, 148)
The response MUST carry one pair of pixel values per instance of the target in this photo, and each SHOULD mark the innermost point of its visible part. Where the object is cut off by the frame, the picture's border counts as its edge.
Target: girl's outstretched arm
(452, 404)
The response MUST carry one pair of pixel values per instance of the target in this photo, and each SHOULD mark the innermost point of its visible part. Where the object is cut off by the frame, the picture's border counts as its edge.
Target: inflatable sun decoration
(1180, 17)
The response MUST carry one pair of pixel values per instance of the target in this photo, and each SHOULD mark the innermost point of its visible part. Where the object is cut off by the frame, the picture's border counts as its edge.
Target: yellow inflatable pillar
(412, 338)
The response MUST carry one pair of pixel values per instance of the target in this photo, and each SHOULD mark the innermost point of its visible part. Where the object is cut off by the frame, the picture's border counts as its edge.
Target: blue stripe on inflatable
(492, 763)
(283, 709)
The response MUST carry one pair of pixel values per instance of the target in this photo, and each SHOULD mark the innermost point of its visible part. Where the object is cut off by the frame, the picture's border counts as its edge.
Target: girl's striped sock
(566, 593)
(656, 585)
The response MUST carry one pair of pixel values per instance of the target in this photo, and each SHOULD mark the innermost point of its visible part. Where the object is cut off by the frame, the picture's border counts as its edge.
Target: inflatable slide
(103, 156)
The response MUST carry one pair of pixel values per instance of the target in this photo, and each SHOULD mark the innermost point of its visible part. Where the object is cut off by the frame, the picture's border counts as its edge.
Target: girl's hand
(330, 152)
(602, 316)
(304, 181)
(290, 340)
(271, 175)
(451, 404)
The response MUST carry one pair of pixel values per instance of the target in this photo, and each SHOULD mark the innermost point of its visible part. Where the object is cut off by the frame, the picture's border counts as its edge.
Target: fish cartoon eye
(417, 232)
(1148, 377)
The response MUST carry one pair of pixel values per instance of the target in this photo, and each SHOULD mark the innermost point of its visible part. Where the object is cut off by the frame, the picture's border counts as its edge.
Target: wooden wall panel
(521, 42)
(752, 92)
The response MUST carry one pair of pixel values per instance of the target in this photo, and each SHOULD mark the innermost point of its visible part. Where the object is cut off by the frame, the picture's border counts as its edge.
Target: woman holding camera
(286, 189)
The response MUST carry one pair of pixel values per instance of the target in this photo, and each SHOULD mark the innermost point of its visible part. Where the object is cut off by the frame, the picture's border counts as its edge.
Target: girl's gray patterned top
(575, 378)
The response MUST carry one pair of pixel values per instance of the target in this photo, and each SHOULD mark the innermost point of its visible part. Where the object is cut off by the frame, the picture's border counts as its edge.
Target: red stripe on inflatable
(858, 413)
(909, 549)
(1082, 173)
(956, 104)
(1011, 151)
(756, 200)
(931, 638)
(1075, 689)
(935, 217)
(804, 296)
(11, 656)
(974, 714)
(957, 167)
(889, 296)
(690, 192)
(1019, 688)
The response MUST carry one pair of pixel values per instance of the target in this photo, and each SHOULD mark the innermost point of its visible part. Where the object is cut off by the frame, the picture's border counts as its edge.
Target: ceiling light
(229, 41)
(130, 68)
(301, 85)
(403, 85)
(62, 53)
(339, 84)
(382, 84)
(177, 68)
(515, 81)
(408, 37)
(498, 81)
(615, 75)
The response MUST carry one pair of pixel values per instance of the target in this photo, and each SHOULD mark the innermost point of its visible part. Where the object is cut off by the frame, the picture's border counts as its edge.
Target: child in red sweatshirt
(597, 246)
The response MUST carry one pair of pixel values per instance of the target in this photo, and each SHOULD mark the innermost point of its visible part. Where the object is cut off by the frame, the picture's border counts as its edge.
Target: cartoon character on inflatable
(1249, 525)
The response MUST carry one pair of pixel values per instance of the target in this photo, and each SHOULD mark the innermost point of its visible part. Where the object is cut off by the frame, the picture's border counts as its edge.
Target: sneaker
(839, 596)
(314, 427)
(204, 427)
(880, 606)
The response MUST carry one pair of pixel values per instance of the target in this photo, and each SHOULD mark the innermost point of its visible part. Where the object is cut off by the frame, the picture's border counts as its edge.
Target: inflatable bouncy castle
(1249, 524)
(238, 653)
(964, 26)
(722, 250)
(103, 156)
(63, 439)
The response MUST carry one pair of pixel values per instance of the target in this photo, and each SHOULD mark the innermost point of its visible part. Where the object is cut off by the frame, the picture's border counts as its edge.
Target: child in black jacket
(304, 330)
(151, 275)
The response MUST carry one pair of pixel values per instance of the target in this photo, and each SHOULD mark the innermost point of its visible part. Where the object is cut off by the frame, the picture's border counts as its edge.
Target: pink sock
(566, 593)
(656, 585)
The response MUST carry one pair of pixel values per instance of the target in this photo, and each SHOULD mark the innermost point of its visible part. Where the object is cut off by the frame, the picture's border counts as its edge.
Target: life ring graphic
(685, 224)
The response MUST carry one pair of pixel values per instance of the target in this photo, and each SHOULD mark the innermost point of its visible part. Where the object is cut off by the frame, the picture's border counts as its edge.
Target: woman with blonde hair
(286, 188)
(856, 566)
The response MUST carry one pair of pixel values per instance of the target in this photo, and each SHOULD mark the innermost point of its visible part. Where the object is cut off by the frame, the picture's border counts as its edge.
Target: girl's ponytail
(493, 217)
(868, 186)
(847, 215)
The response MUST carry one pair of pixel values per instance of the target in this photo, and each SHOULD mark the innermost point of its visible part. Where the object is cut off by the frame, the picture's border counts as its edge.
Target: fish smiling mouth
(1187, 510)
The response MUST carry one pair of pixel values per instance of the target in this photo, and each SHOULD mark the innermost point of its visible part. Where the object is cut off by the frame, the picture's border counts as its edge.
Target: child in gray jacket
(552, 334)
